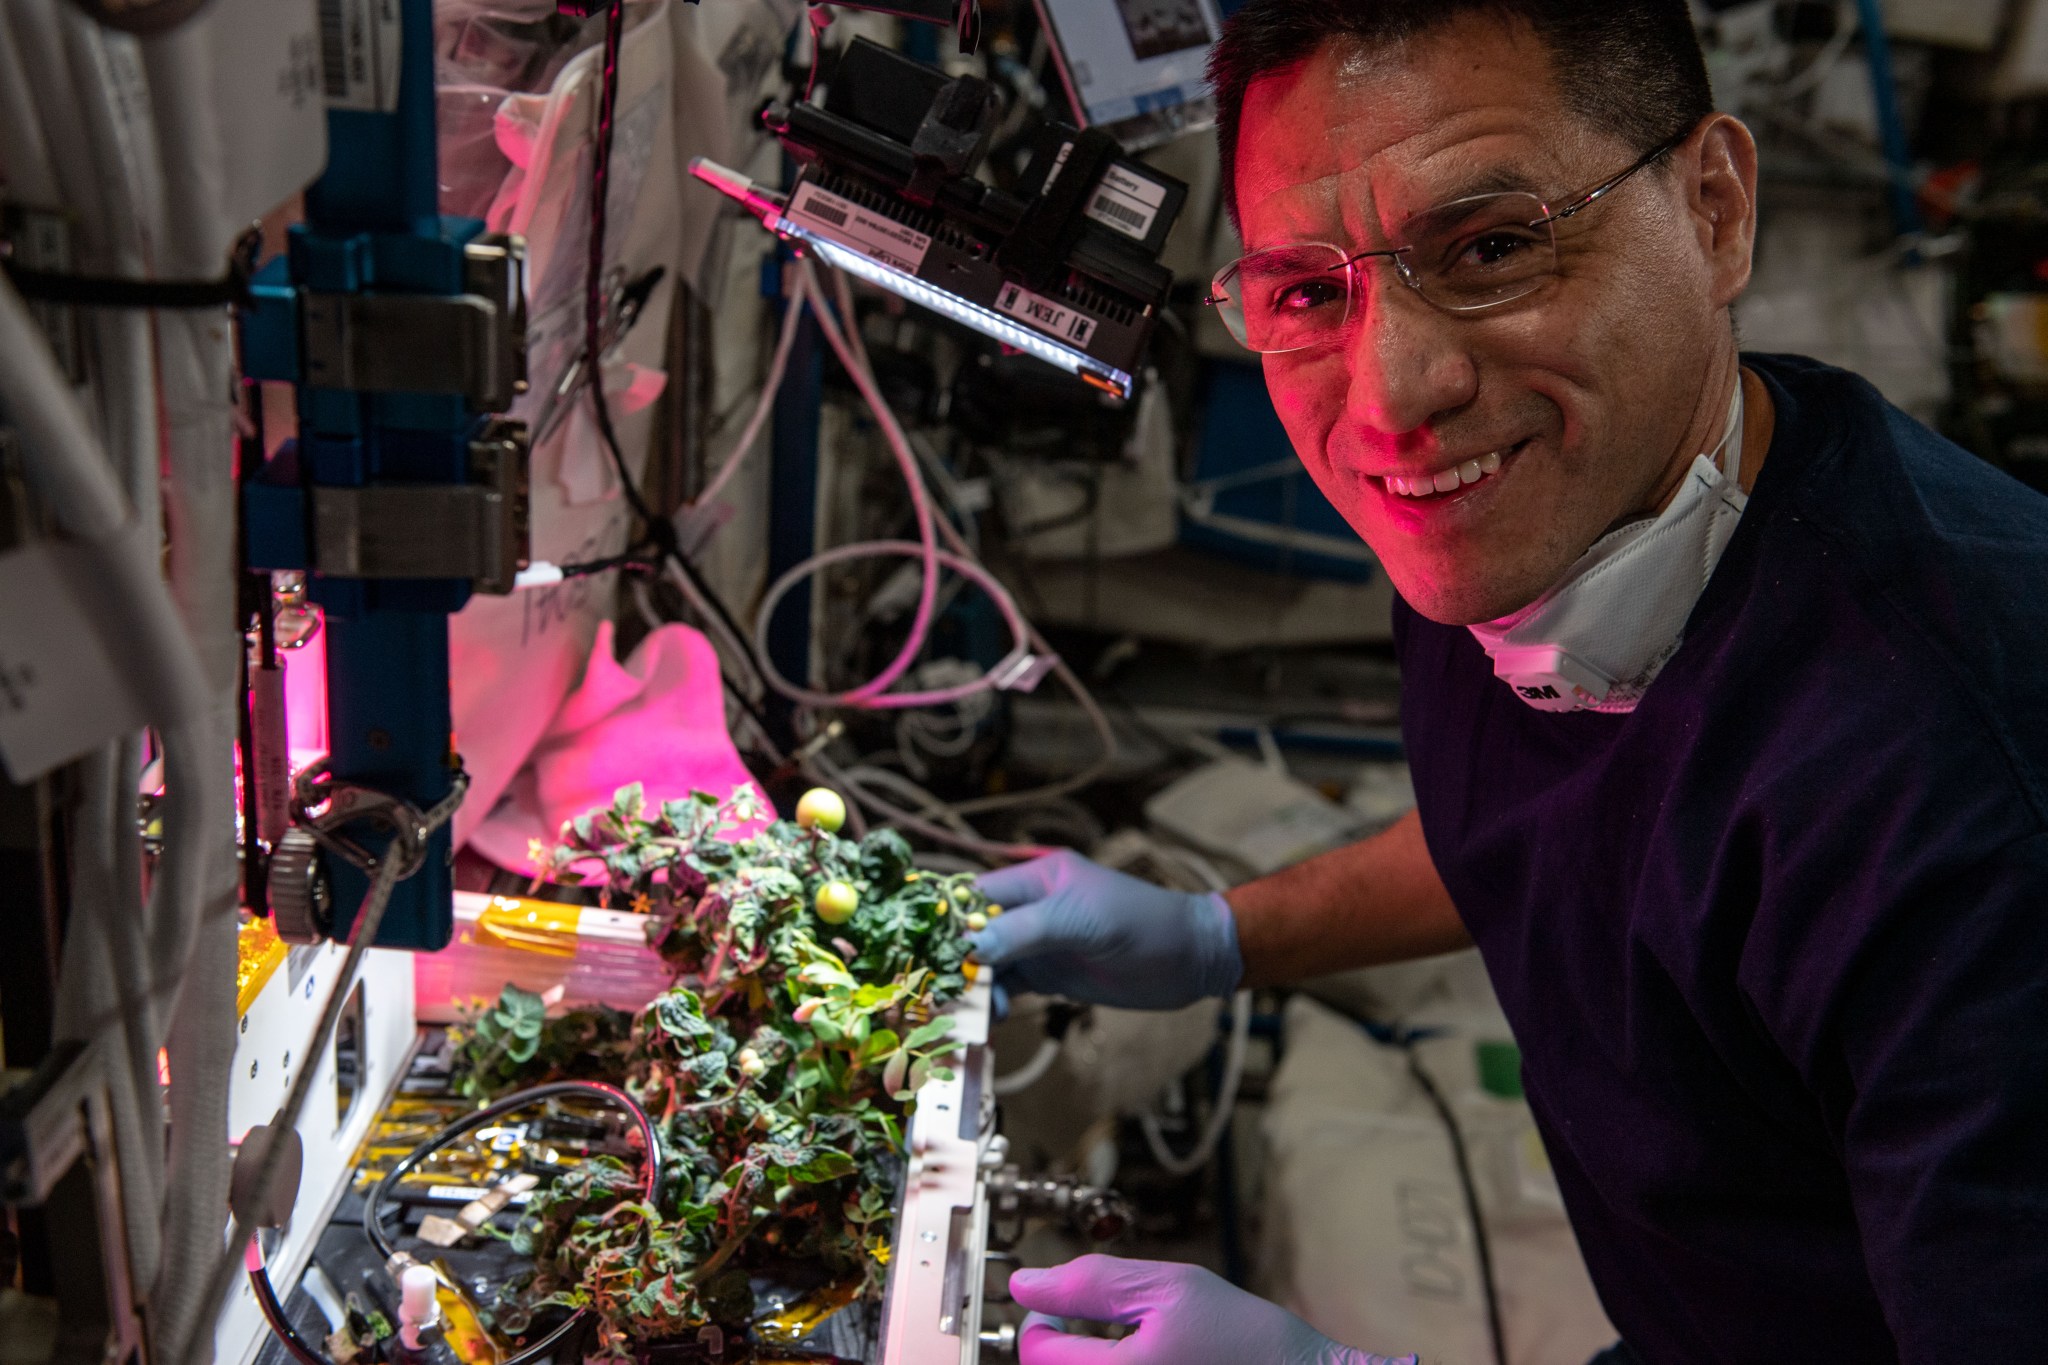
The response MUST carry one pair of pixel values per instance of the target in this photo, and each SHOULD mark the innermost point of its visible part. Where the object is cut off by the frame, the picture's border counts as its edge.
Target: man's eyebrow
(1495, 180)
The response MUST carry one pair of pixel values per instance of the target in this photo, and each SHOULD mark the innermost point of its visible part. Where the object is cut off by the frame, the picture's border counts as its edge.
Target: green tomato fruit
(836, 902)
(821, 808)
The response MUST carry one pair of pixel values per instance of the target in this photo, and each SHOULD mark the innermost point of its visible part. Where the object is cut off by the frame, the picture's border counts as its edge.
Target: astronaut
(1724, 683)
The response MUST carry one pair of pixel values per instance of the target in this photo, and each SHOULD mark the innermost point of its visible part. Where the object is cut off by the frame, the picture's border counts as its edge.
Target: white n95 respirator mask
(1597, 639)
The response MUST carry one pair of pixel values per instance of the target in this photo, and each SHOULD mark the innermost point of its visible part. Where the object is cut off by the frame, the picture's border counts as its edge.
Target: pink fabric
(658, 719)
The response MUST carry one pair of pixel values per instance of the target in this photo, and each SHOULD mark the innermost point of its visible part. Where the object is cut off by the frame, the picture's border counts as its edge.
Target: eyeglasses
(1472, 253)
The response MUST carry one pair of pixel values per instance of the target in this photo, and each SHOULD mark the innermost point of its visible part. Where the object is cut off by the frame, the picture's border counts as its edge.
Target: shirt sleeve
(1943, 1109)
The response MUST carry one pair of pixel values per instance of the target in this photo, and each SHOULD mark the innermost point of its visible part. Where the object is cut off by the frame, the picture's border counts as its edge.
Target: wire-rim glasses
(1477, 252)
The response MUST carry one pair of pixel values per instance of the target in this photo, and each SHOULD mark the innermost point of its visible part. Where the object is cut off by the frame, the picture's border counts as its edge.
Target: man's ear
(1723, 203)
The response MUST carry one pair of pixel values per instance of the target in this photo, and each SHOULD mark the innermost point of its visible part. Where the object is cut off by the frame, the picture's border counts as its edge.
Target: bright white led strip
(984, 320)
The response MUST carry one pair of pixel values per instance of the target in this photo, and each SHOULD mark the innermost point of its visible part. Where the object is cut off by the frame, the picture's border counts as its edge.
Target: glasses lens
(1481, 251)
(1286, 298)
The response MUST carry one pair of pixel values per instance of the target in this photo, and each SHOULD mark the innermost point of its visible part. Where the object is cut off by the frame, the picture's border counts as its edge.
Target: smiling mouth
(1446, 482)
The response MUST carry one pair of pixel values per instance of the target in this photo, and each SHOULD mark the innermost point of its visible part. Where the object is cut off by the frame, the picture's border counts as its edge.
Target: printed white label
(1070, 325)
(359, 46)
(843, 221)
(1126, 202)
(60, 695)
(463, 1194)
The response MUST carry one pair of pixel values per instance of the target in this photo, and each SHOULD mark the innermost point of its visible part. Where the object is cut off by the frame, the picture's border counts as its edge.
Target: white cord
(1019, 655)
(853, 357)
(1233, 1057)
(1033, 1071)
(1226, 1099)
(777, 366)
(834, 776)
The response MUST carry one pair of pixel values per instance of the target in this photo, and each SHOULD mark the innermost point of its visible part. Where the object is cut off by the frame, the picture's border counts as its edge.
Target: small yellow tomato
(976, 921)
(836, 902)
(821, 808)
(993, 910)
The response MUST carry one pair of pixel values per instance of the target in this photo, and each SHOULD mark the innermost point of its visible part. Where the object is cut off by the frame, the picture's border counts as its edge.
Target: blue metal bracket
(402, 331)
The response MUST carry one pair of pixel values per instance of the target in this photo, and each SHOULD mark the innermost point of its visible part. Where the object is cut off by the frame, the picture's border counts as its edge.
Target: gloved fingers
(1022, 883)
(1019, 934)
(1045, 1341)
(1096, 1287)
(999, 999)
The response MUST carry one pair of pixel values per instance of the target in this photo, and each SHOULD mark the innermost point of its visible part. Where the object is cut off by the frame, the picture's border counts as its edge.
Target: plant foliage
(777, 1069)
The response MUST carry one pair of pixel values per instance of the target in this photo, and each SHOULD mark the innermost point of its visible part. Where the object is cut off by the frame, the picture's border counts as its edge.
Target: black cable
(631, 559)
(100, 291)
(373, 1204)
(661, 532)
(281, 1324)
(468, 1123)
(1482, 1246)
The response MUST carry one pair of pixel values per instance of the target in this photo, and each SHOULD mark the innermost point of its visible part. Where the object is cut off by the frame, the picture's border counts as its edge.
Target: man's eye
(1492, 249)
(1303, 295)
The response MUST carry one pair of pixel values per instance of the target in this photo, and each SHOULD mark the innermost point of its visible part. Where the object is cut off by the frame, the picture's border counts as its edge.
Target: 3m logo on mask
(1544, 693)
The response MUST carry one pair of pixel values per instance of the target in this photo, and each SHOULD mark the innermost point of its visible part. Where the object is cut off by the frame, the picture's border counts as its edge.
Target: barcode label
(333, 51)
(1126, 202)
(829, 214)
(359, 45)
(1104, 205)
(1070, 325)
(841, 221)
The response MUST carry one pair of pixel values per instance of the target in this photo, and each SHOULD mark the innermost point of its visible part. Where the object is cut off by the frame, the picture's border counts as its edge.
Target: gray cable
(390, 870)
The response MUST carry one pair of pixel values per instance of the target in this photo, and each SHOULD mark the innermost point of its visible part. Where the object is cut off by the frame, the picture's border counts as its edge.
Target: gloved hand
(1184, 1314)
(1077, 929)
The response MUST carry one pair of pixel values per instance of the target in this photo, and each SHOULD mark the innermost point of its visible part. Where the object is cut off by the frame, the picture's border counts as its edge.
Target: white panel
(270, 1048)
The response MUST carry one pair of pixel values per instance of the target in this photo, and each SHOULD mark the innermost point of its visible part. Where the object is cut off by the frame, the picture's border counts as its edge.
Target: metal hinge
(476, 530)
(473, 343)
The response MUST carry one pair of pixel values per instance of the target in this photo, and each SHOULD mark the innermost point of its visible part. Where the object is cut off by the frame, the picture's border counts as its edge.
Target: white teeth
(1458, 476)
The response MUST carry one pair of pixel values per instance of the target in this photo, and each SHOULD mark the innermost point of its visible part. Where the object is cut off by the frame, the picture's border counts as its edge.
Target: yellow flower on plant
(643, 904)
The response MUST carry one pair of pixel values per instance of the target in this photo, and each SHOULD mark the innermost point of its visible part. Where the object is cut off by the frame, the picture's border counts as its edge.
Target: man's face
(1588, 391)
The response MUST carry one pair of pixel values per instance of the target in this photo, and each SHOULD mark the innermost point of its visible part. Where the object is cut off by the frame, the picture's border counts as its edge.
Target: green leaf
(929, 1033)
(879, 1044)
(825, 1165)
(628, 801)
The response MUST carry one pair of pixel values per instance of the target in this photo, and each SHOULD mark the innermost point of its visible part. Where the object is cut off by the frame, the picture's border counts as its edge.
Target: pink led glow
(305, 699)
(657, 719)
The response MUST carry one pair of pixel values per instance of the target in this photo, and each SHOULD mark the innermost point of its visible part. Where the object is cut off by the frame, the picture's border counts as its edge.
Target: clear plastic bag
(485, 50)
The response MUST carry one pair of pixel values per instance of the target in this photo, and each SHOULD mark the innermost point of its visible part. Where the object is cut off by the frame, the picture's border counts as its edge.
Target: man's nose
(1404, 360)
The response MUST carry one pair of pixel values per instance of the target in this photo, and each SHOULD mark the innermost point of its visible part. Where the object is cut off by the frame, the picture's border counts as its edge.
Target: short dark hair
(1631, 68)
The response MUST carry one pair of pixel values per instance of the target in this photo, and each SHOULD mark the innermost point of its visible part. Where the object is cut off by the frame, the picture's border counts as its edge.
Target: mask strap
(1731, 438)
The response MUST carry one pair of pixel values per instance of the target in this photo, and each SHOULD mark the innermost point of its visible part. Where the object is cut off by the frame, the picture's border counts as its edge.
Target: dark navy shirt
(1775, 944)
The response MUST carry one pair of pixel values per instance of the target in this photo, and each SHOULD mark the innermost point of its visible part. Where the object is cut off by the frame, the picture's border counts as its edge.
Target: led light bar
(973, 315)
(862, 264)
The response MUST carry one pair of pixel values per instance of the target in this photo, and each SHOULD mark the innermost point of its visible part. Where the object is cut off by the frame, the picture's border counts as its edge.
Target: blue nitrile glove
(1077, 929)
(1185, 1315)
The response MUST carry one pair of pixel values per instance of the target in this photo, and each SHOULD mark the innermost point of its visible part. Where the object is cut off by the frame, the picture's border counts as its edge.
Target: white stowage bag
(515, 658)
(1365, 1232)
